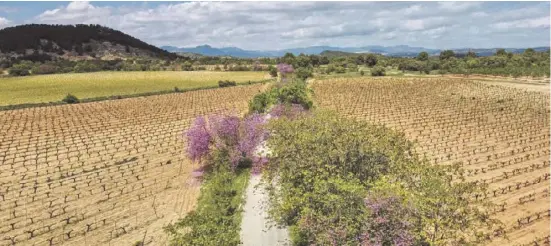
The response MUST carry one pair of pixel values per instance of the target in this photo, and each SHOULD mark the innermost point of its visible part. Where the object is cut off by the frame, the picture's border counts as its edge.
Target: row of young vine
(331, 180)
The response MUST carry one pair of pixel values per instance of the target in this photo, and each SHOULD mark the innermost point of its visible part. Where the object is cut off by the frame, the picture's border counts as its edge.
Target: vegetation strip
(217, 219)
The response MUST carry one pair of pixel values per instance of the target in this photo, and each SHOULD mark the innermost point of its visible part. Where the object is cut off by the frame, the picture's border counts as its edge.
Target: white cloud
(76, 12)
(542, 22)
(275, 25)
(457, 6)
(4, 22)
(414, 25)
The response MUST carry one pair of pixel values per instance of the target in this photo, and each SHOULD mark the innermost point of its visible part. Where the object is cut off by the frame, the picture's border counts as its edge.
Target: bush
(217, 219)
(340, 69)
(18, 71)
(273, 71)
(226, 83)
(261, 102)
(378, 71)
(45, 69)
(303, 73)
(70, 99)
(295, 92)
(86, 66)
(362, 73)
(346, 182)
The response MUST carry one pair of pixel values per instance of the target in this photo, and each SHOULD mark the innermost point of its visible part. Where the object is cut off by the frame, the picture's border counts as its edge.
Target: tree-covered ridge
(60, 38)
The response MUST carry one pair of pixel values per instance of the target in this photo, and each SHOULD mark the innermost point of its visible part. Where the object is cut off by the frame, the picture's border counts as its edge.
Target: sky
(281, 25)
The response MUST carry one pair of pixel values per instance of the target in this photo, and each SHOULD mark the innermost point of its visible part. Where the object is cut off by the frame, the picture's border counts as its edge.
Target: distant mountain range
(398, 50)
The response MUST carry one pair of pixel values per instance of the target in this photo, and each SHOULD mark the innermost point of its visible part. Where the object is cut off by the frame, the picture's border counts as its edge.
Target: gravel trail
(256, 228)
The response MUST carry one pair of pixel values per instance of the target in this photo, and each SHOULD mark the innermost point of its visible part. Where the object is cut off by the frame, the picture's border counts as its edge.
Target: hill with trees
(40, 42)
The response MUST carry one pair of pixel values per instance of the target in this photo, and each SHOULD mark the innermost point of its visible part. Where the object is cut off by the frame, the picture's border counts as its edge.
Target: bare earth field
(103, 173)
(499, 134)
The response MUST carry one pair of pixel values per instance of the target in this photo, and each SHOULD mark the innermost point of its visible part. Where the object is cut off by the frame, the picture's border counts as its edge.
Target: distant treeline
(502, 63)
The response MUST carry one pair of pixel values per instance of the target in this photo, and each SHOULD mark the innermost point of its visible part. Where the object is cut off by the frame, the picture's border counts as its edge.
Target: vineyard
(498, 135)
(103, 173)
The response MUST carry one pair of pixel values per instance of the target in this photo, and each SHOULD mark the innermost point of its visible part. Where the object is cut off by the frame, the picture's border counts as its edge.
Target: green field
(52, 88)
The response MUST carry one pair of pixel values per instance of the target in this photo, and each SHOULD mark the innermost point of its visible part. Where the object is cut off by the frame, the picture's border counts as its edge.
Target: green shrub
(362, 73)
(326, 167)
(261, 102)
(45, 69)
(378, 71)
(303, 73)
(226, 83)
(340, 69)
(217, 219)
(294, 92)
(18, 71)
(273, 71)
(70, 99)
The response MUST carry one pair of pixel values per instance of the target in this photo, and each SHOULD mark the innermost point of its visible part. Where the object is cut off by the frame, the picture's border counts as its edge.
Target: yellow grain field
(52, 88)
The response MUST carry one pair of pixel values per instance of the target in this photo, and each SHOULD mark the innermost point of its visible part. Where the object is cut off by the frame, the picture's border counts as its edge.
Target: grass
(52, 88)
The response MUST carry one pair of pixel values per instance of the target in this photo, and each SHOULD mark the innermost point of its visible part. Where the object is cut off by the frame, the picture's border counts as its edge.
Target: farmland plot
(499, 135)
(53, 87)
(110, 172)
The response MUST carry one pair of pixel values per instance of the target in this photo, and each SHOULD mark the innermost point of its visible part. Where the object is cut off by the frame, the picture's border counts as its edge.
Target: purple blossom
(241, 138)
(225, 129)
(258, 163)
(389, 222)
(253, 133)
(198, 139)
(292, 111)
(285, 69)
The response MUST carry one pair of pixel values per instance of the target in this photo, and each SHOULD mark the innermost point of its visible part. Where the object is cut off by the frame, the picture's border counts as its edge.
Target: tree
(303, 73)
(529, 52)
(288, 58)
(315, 60)
(370, 60)
(447, 54)
(423, 56)
(187, 66)
(302, 61)
(324, 60)
(471, 54)
(501, 52)
(378, 71)
(273, 71)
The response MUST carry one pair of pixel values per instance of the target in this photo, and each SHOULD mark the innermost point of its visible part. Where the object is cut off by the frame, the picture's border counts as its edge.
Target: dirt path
(540, 87)
(256, 228)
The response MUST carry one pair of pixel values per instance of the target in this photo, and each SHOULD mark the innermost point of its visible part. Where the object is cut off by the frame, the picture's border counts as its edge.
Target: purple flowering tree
(284, 70)
(199, 139)
(239, 137)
